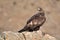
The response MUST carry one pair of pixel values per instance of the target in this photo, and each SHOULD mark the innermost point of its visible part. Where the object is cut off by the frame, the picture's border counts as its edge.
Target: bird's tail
(21, 30)
(24, 29)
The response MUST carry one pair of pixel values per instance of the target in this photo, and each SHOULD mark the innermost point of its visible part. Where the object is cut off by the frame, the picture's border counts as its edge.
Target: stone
(35, 35)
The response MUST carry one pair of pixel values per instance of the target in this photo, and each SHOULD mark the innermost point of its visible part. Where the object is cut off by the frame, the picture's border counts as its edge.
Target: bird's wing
(32, 18)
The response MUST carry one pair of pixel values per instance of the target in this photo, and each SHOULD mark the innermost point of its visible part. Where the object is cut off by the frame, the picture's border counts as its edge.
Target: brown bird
(35, 22)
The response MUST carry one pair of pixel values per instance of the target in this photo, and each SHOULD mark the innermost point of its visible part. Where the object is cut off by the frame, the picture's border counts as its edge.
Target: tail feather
(24, 29)
(21, 30)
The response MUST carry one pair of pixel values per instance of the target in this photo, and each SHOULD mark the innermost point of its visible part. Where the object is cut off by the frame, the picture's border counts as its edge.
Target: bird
(35, 22)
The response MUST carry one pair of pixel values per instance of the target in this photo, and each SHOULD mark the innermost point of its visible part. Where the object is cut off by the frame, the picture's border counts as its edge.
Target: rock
(13, 36)
(33, 35)
(36, 35)
(48, 37)
(1, 38)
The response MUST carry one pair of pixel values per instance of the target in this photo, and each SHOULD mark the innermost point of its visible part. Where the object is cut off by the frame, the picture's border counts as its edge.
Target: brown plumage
(35, 22)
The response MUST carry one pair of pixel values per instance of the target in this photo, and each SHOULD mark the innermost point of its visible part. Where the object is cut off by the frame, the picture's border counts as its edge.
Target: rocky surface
(37, 35)
(15, 13)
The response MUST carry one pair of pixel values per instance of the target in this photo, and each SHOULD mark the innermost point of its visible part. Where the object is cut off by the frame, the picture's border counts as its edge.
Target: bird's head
(41, 11)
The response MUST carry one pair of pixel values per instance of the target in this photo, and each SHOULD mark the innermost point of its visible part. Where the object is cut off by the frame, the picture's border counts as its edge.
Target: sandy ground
(15, 13)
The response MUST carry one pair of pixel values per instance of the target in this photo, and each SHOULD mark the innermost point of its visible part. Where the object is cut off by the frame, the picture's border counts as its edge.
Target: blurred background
(15, 13)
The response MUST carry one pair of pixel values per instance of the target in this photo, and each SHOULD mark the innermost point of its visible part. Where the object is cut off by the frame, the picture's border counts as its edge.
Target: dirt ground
(15, 13)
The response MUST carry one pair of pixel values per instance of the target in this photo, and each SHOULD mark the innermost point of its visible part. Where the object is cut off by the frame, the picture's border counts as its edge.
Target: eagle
(35, 22)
